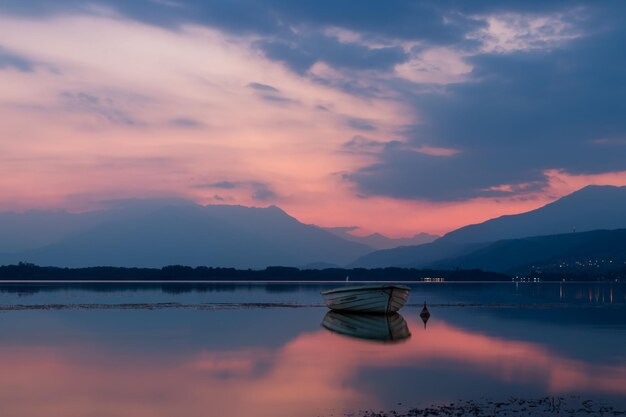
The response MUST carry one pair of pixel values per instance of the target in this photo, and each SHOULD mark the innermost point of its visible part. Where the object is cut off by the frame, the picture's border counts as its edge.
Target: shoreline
(572, 406)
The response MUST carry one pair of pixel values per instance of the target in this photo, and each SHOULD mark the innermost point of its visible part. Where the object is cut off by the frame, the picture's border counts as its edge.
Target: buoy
(425, 314)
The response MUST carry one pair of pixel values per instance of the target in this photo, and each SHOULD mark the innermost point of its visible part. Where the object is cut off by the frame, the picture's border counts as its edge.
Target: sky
(398, 117)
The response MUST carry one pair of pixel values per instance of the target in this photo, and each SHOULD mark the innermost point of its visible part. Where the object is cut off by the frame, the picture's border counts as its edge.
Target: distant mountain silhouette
(414, 256)
(36, 228)
(33, 229)
(590, 208)
(379, 241)
(553, 253)
(155, 234)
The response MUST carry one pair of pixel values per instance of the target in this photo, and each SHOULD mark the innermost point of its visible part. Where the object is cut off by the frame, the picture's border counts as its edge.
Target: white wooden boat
(380, 298)
(384, 328)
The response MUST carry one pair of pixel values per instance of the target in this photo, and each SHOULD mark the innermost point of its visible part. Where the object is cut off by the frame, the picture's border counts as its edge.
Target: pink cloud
(115, 108)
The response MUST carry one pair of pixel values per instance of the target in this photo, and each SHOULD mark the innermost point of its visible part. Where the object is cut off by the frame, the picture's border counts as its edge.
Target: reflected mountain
(383, 328)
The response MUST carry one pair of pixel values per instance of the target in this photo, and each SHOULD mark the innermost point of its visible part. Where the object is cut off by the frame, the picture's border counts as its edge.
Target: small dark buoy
(425, 314)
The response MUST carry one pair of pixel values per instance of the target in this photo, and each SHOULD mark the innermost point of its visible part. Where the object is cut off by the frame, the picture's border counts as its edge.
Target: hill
(600, 250)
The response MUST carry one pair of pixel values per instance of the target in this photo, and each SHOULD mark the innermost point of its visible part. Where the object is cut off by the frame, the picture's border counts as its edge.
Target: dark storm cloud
(522, 113)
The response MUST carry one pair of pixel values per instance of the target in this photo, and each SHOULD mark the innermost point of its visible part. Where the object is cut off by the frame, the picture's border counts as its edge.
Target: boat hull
(383, 299)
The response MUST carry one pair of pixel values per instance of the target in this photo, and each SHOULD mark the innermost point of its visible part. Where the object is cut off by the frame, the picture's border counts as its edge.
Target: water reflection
(312, 374)
(253, 361)
(378, 327)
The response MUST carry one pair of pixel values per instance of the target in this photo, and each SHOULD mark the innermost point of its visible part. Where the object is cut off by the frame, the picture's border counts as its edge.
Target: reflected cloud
(310, 375)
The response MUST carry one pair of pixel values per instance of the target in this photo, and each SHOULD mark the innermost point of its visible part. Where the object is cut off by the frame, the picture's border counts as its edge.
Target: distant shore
(178, 273)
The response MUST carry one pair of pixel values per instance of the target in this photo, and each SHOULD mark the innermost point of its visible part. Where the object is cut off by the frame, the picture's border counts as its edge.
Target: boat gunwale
(366, 287)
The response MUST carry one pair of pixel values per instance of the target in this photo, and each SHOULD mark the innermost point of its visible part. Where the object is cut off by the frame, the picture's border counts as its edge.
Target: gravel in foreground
(546, 406)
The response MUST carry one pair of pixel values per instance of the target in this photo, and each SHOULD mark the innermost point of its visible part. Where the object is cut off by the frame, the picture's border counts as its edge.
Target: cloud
(258, 190)
(185, 122)
(436, 151)
(277, 99)
(435, 66)
(461, 100)
(510, 32)
(361, 124)
(271, 94)
(263, 87)
(406, 174)
(167, 3)
(225, 185)
(305, 50)
(103, 107)
(519, 114)
(362, 144)
(9, 60)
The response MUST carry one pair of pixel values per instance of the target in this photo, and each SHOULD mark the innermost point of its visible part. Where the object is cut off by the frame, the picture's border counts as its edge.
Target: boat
(377, 327)
(384, 299)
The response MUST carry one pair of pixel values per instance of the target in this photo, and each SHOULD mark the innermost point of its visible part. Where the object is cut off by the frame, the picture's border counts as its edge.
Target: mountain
(36, 228)
(554, 253)
(414, 256)
(378, 241)
(161, 233)
(33, 229)
(590, 208)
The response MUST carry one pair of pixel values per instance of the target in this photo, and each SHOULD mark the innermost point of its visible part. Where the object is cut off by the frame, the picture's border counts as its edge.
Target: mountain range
(379, 241)
(156, 233)
(596, 250)
(590, 208)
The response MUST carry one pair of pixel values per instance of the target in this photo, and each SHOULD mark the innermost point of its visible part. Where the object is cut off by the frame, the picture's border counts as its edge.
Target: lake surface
(207, 349)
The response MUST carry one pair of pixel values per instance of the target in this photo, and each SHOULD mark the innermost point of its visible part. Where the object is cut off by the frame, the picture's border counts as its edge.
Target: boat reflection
(382, 328)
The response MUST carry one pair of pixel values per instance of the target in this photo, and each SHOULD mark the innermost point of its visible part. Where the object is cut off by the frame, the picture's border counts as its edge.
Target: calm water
(261, 350)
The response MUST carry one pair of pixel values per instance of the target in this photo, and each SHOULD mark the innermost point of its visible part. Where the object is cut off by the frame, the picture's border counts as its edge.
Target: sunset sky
(395, 116)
